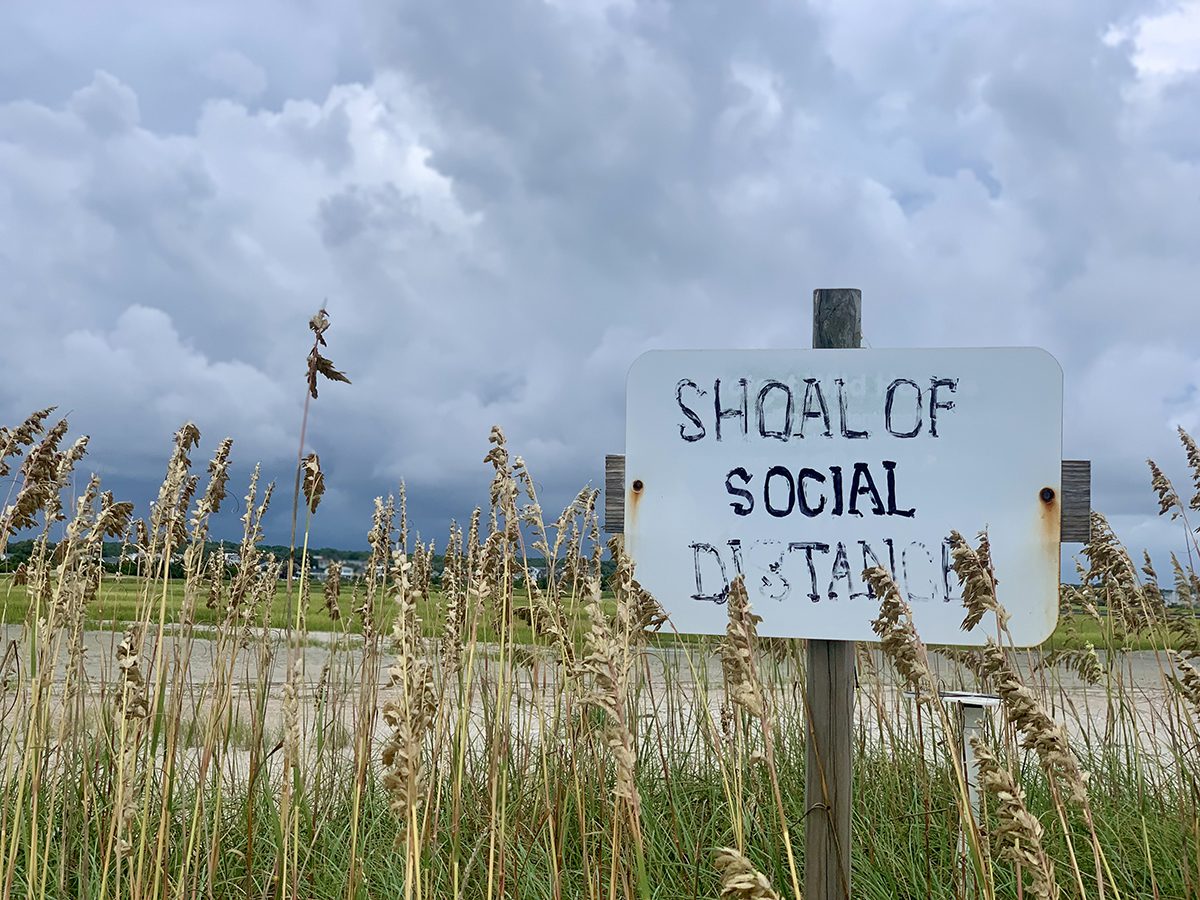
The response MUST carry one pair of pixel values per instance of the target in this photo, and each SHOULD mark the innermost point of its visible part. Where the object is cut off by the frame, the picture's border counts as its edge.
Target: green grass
(1078, 629)
(118, 602)
(904, 821)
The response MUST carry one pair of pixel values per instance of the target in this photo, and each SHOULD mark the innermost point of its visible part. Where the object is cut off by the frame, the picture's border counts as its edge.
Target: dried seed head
(319, 324)
(898, 636)
(44, 473)
(131, 695)
(608, 663)
(169, 513)
(1168, 500)
(1084, 663)
(291, 719)
(504, 490)
(1113, 575)
(1183, 583)
(23, 435)
(1039, 732)
(1193, 459)
(218, 480)
(244, 589)
(409, 715)
(739, 879)
(974, 570)
(314, 481)
(1018, 832)
(1187, 679)
(640, 611)
(318, 364)
(1152, 595)
(454, 589)
(216, 575)
(737, 652)
(333, 587)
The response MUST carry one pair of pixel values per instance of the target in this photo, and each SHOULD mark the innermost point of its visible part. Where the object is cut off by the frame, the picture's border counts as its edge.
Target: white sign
(800, 468)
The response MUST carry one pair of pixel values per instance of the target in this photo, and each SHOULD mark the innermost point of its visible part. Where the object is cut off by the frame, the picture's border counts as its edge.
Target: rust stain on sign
(636, 491)
(1050, 518)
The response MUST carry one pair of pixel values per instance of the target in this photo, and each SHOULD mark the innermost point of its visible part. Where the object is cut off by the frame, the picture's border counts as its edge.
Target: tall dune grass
(491, 737)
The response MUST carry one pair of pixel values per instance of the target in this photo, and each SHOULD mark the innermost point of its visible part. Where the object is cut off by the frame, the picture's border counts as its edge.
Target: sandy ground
(676, 688)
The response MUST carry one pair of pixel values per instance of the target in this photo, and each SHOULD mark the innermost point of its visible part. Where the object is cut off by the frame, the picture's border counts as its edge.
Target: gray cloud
(505, 203)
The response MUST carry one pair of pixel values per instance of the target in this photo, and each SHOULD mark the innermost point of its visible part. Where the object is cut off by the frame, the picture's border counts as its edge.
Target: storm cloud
(503, 204)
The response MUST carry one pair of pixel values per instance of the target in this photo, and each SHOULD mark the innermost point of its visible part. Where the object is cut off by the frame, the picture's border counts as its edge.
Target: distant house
(1171, 597)
(350, 568)
(232, 558)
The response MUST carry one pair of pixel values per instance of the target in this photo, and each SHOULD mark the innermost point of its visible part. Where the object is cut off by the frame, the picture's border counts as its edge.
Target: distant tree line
(119, 557)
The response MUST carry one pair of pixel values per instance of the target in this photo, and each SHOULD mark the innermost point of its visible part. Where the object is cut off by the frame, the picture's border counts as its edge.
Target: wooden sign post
(788, 466)
(829, 690)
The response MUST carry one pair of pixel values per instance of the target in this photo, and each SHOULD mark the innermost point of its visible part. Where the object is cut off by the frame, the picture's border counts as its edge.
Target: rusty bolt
(1047, 494)
(638, 485)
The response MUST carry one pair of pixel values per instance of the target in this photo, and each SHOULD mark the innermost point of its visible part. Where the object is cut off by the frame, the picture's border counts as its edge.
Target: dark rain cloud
(505, 203)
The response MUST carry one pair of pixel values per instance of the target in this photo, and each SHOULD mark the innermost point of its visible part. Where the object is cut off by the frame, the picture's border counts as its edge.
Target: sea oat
(1183, 583)
(1187, 681)
(1168, 500)
(333, 588)
(608, 663)
(973, 566)
(739, 879)
(1018, 832)
(131, 708)
(318, 364)
(1192, 452)
(379, 538)
(11, 441)
(898, 636)
(1151, 593)
(291, 721)
(239, 608)
(210, 503)
(216, 578)
(313, 484)
(1113, 574)
(408, 715)
(1084, 663)
(454, 591)
(503, 493)
(737, 652)
(633, 601)
(168, 519)
(1039, 732)
(40, 484)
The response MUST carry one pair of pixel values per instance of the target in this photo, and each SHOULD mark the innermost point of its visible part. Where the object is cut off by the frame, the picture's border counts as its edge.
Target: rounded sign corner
(1040, 637)
(639, 362)
(1046, 354)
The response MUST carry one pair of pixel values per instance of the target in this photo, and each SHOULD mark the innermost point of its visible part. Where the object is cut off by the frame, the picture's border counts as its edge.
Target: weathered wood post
(829, 693)
(674, 416)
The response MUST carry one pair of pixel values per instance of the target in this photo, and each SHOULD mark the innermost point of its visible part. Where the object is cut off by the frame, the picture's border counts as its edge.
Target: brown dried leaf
(314, 481)
(319, 365)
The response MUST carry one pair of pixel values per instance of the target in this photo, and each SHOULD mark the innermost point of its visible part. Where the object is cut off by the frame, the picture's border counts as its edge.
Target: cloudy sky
(504, 203)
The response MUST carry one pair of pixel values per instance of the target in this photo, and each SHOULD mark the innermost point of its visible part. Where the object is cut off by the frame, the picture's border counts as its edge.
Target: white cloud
(505, 203)
(236, 72)
(1169, 43)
